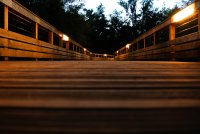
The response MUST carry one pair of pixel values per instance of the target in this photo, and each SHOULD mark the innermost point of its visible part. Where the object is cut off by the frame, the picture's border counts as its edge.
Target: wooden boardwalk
(99, 97)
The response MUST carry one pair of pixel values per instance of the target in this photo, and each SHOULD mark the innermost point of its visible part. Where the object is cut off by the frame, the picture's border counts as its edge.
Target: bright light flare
(65, 37)
(105, 55)
(127, 46)
(188, 11)
(85, 49)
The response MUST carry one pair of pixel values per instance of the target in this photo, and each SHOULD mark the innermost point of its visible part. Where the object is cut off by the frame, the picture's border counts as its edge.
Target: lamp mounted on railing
(183, 14)
(65, 37)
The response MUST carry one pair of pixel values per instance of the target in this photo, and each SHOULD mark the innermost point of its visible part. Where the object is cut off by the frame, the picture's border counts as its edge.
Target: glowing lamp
(85, 49)
(117, 52)
(105, 55)
(186, 12)
(65, 37)
(127, 46)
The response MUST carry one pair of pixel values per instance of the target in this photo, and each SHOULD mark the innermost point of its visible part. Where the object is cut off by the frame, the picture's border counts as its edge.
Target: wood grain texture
(101, 97)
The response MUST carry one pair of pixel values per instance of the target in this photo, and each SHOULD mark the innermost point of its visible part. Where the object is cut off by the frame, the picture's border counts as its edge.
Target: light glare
(183, 13)
(65, 37)
(127, 46)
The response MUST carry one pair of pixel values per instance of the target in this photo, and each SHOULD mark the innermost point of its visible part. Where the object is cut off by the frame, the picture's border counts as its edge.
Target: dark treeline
(94, 30)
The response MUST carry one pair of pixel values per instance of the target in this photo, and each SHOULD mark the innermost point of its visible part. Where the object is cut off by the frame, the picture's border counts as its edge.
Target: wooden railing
(24, 35)
(171, 40)
(101, 57)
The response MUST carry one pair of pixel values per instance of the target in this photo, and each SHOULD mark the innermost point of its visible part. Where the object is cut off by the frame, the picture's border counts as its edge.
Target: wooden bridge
(85, 96)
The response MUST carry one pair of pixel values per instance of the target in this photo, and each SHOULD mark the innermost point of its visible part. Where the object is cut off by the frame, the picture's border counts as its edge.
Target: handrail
(167, 22)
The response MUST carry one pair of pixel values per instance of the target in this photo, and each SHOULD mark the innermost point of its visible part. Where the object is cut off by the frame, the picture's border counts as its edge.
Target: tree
(131, 10)
(99, 25)
(186, 2)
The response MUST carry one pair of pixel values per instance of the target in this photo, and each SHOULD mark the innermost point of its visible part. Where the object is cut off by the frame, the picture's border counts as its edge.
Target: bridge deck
(99, 97)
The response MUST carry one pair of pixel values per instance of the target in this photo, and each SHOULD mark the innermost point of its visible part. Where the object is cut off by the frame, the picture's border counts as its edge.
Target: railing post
(51, 37)
(5, 17)
(67, 45)
(154, 39)
(198, 19)
(6, 27)
(61, 42)
(172, 32)
(36, 31)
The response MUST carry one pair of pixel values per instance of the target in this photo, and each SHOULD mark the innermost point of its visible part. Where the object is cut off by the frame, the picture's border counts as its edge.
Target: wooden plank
(100, 97)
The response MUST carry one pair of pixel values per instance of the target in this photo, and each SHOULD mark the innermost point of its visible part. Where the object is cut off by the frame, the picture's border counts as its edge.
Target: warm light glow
(60, 35)
(127, 46)
(65, 37)
(184, 13)
(85, 49)
(117, 52)
(105, 55)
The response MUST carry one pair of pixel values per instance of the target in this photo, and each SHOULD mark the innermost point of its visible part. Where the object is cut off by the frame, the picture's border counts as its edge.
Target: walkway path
(116, 97)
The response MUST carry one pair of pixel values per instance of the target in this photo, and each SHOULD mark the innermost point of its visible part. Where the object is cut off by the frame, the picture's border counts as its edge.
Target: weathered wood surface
(102, 97)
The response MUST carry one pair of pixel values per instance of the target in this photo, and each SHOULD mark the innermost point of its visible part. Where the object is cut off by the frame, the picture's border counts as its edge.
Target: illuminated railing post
(5, 17)
(51, 37)
(65, 38)
(198, 19)
(6, 27)
(36, 31)
(172, 31)
(172, 37)
(84, 51)
(127, 48)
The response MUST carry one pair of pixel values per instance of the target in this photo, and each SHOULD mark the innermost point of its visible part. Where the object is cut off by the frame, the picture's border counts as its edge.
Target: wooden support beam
(154, 39)
(67, 45)
(5, 17)
(61, 42)
(172, 36)
(73, 47)
(36, 31)
(198, 19)
(51, 37)
(172, 31)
